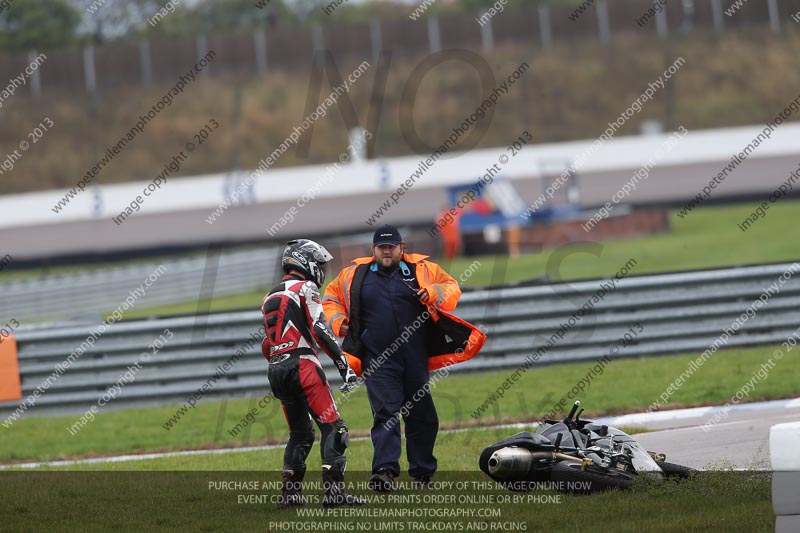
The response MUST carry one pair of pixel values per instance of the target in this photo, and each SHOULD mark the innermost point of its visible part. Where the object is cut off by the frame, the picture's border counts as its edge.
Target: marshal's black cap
(386, 234)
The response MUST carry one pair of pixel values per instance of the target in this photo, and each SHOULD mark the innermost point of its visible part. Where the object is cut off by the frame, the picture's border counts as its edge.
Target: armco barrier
(676, 312)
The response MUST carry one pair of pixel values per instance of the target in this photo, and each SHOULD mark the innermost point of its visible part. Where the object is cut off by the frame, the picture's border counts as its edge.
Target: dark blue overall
(397, 370)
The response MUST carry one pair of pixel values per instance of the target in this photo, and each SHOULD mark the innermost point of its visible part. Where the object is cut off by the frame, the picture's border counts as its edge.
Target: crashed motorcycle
(573, 455)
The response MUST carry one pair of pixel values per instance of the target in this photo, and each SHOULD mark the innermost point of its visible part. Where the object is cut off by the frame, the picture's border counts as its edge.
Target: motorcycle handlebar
(572, 411)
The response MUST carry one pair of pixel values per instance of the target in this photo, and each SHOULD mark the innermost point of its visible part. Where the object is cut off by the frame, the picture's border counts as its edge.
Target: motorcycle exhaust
(510, 461)
(513, 461)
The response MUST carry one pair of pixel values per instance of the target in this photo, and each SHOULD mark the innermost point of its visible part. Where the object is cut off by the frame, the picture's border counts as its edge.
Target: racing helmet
(308, 257)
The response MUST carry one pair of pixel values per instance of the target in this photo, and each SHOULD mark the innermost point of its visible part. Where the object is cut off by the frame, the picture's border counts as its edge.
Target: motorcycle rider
(294, 323)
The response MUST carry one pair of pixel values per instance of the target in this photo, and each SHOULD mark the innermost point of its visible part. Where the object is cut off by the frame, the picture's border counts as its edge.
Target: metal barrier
(676, 312)
(95, 292)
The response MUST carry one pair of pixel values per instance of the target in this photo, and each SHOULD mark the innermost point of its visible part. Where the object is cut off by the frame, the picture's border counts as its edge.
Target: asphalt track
(246, 223)
(740, 440)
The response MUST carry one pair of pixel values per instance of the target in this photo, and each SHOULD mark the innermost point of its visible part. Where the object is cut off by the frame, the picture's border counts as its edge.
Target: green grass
(707, 238)
(628, 385)
(175, 490)
(187, 495)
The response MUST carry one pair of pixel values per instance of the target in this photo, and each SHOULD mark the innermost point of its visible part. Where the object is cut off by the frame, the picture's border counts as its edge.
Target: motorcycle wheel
(585, 481)
(675, 471)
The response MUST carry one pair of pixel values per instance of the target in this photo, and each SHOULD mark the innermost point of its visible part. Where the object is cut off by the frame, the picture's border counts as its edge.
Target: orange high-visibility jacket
(454, 340)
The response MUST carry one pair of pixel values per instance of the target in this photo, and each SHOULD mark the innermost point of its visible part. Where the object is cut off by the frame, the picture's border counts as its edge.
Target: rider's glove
(350, 381)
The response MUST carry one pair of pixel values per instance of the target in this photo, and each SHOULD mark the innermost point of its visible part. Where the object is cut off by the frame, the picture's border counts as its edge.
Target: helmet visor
(321, 254)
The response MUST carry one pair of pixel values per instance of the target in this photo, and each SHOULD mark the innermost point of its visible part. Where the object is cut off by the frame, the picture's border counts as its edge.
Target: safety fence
(283, 47)
(87, 293)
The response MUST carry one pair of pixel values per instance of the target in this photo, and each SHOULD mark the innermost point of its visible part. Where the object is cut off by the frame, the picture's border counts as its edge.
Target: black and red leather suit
(295, 325)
